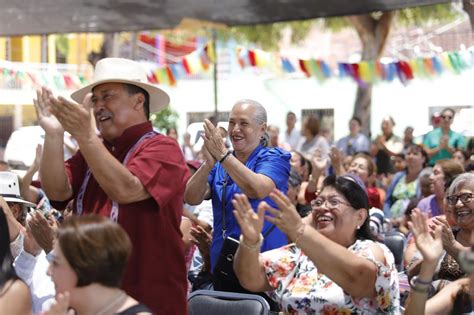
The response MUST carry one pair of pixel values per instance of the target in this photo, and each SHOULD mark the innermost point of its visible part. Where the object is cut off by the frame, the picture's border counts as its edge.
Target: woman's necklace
(107, 308)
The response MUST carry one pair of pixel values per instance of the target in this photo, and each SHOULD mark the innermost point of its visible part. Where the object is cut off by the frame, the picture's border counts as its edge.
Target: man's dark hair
(132, 90)
(355, 118)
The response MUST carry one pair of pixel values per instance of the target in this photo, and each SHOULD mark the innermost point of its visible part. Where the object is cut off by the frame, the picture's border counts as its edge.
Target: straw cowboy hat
(10, 189)
(119, 70)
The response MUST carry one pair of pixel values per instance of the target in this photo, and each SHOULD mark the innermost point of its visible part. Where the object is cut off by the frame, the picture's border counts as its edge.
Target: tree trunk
(468, 7)
(373, 34)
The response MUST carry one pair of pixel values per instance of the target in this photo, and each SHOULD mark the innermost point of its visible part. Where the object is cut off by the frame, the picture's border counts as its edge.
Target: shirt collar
(129, 136)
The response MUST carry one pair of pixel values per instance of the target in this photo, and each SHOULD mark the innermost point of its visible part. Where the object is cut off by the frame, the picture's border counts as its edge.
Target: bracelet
(299, 233)
(419, 285)
(225, 156)
(251, 247)
(417, 280)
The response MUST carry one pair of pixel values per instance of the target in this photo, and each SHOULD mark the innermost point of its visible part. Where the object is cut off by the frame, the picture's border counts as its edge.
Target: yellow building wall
(52, 49)
(3, 48)
(16, 43)
(32, 51)
(81, 45)
(26, 48)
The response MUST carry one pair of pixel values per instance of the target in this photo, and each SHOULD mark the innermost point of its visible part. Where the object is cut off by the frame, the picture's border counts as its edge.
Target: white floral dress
(301, 289)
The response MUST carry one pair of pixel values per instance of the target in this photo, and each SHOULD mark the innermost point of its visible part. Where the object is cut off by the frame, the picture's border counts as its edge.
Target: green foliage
(437, 13)
(62, 44)
(165, 119)
(267, 36)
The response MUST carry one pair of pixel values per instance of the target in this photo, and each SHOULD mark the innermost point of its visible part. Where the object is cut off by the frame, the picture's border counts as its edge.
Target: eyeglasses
(447, 117)
(465, 199)
(332, 203)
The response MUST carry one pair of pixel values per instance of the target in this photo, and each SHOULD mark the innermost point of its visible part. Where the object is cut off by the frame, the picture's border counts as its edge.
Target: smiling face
(245, 130)
(463, 212)
(115, 110)
(338, 223)
(360, 167)
(61, 272)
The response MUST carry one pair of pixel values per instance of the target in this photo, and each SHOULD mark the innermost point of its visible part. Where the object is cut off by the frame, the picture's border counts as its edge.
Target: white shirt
(32, 270)
(293, 138)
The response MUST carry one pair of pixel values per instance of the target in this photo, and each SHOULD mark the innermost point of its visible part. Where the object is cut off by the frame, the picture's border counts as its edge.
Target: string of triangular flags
(11, 77)
(363, 72)
(196, 62)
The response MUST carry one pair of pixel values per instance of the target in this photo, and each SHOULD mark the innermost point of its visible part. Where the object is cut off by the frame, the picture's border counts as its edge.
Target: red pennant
(406, 69)
(170, 76)
(252, 58)
(186, 66)
(355, 71)
(303, 67)
(152, 78)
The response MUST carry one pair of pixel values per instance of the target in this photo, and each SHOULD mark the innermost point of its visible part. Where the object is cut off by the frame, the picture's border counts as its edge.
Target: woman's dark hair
(312, 124)
(357, 197)
(96, 248)
(418, 148)
(302, 159)
(6, 259)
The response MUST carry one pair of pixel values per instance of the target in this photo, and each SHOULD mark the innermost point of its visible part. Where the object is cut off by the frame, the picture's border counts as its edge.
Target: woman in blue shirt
(251, 168)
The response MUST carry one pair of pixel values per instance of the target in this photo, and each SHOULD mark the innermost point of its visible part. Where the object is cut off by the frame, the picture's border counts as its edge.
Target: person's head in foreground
(90, 256)
(460, 200)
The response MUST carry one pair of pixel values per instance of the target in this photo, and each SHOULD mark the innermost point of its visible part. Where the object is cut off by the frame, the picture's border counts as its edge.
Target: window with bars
(326, 120)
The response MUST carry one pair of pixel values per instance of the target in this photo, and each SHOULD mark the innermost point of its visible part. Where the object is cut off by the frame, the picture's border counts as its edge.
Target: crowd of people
(134, 221)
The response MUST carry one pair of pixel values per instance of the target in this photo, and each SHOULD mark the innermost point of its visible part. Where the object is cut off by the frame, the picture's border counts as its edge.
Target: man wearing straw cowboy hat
(132, 175)
(10, 191)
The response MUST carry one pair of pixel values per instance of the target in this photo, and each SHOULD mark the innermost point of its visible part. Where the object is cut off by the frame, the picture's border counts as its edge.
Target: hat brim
(26, 203)
(159, 99)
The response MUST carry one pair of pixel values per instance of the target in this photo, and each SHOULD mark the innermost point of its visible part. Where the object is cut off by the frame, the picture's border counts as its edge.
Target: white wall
(408, 105)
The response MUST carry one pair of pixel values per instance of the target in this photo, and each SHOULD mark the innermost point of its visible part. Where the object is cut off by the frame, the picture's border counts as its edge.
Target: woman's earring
(358, 227)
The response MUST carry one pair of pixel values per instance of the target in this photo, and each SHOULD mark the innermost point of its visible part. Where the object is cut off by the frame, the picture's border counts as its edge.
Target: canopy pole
(214, 39)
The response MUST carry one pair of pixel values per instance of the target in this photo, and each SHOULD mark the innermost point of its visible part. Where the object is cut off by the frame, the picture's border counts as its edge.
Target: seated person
(333, 265)
(89, 260)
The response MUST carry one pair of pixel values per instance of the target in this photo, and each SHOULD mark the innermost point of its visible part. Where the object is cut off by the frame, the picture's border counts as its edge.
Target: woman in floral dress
(333, 265)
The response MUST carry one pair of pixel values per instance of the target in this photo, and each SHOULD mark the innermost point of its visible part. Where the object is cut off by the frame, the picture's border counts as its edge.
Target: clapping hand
(319, 164)
(447, 236)
(43, 229)
(77, 119)
(286, 218)
(429, 244)
(46, 119)
(251, 223)
(213, 141)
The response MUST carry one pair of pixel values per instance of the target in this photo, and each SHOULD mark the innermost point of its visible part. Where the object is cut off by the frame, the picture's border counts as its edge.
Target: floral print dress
(301, 289)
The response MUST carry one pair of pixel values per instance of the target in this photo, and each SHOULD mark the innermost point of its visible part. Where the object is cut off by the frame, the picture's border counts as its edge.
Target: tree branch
(382, 30)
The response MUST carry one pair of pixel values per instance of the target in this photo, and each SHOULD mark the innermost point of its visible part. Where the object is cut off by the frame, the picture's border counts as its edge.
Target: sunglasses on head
(447, 117)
